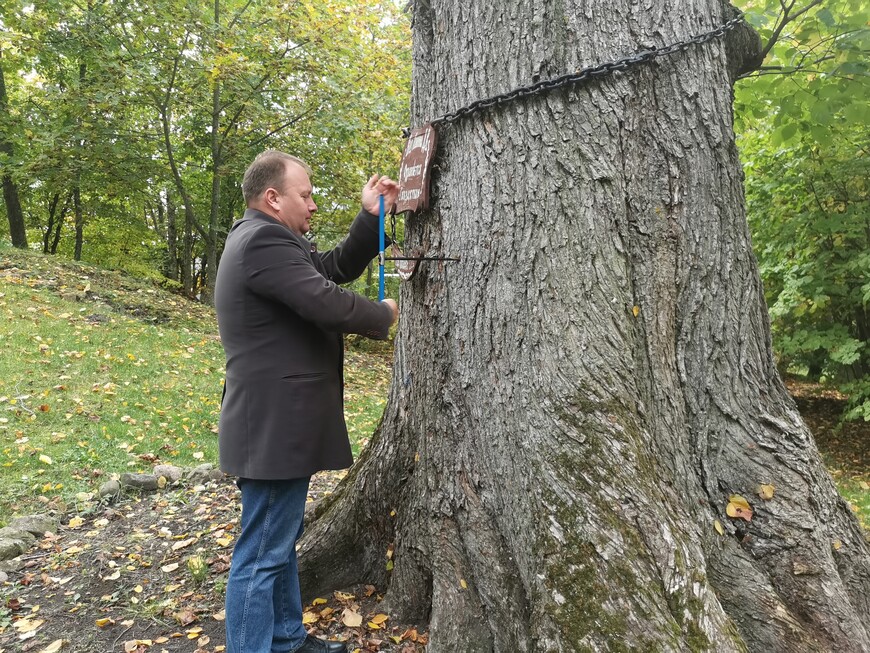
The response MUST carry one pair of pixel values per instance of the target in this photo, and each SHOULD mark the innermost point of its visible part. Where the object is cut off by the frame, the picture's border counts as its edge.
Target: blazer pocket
(307, 376)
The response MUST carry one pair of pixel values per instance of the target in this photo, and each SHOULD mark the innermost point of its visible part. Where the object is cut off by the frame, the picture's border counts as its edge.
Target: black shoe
(314, 645)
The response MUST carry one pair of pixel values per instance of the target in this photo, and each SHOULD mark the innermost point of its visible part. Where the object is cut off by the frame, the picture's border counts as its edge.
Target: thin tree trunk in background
(209, 270)
(172, 266)
(59, 225)
(49, 229)
(77, 191)
(79, 223)
(14, 213)
(187, 261)
(575, 403)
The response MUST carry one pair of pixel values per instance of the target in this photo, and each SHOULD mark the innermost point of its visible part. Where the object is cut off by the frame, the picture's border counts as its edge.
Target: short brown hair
(267, 171)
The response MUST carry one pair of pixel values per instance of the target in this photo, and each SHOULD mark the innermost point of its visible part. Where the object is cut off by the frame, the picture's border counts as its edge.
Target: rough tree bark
(573, 404)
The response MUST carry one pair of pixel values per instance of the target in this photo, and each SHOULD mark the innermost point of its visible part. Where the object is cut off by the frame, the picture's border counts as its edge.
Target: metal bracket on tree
(414, 173)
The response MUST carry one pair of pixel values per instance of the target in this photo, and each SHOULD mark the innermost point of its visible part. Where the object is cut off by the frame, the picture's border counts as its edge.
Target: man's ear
(271, 195)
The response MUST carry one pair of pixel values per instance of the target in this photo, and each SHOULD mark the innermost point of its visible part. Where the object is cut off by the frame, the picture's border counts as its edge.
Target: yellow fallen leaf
(219, 616)
(718, 526)
(130, 646)
(351, 619)
(54, 647)
(309, 617)
(183, 544)
(27, 625)
(75, 522)
(636, 310)
(380, 618)
(224, 541)
(318, 601)
(766, 491)
(463, 584)
(837, 545)
(105, 621)
(738, 508)
(373, 626)
(45, 459)
(114, 576)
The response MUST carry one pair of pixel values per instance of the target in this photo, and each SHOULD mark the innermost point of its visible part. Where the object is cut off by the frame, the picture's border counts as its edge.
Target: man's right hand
(393, 307)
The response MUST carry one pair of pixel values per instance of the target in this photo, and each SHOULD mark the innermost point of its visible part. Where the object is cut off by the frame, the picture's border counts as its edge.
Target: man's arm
(278, 267)
(350, 257)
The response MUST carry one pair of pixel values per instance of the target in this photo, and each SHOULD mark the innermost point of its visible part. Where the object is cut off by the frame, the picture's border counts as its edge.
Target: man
(281, 316)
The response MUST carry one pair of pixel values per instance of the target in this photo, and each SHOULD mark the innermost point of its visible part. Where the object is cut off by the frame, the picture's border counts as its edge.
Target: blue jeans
(263, 603)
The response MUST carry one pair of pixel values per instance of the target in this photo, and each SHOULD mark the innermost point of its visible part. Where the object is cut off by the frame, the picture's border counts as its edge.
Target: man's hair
(267, 171)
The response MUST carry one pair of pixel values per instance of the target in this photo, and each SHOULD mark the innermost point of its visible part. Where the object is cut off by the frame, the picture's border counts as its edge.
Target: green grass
(101, 374)
(857, 492)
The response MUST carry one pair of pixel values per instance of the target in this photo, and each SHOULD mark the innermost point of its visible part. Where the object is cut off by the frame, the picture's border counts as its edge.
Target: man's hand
(395, 308)
(375, 187)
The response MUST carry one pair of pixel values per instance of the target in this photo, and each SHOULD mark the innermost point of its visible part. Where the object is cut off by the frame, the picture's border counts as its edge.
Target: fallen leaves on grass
(134, 543)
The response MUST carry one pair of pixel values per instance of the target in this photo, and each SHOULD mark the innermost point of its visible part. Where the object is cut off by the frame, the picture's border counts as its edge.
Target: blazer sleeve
(347, 260)
(279, 268)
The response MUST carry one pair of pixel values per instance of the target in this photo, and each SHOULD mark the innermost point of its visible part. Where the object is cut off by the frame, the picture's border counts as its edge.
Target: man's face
(293, 207)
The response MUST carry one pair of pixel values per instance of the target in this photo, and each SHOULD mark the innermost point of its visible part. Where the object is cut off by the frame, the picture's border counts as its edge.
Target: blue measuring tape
(381, 246)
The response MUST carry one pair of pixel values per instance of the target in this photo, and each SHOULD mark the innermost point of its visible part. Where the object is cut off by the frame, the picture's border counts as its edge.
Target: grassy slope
(101, 374)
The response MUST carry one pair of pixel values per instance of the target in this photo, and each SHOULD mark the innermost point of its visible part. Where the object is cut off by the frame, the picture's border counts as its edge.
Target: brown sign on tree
(415, 170)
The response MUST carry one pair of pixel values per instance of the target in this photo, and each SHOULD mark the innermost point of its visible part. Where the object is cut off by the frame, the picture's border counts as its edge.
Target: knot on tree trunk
(743, 47)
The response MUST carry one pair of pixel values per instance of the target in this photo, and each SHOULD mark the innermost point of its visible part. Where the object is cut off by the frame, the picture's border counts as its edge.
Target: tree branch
(785, 18)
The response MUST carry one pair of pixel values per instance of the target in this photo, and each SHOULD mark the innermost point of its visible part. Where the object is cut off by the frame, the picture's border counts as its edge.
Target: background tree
(128, 107)
(10, 189)
(804, 124)
(587, 445)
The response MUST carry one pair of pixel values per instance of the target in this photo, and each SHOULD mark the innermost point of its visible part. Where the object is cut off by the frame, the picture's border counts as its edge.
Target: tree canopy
(142, 109)
(803, 121)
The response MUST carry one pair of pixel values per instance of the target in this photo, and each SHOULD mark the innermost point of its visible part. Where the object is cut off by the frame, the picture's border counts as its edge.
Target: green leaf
(825, 15)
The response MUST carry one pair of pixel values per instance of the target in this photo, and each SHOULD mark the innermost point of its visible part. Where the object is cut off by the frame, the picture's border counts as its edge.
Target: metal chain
(585, 74)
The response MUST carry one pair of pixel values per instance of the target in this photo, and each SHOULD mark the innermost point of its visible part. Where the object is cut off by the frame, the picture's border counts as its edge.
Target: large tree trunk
(574, 403)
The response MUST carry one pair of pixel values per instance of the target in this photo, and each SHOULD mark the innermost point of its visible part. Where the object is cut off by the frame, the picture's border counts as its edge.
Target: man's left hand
(375, 187)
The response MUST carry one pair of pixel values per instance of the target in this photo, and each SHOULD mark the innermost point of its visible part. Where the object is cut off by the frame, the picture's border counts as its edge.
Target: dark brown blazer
(281, 317)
